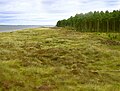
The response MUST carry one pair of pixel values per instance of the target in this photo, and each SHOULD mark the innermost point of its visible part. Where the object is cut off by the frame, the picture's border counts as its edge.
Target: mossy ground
(57, 59)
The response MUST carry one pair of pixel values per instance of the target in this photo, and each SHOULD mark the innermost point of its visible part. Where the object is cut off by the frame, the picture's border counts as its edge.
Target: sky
(48, 12)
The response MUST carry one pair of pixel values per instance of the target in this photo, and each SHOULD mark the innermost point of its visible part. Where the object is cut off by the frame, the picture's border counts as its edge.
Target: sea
(9, 28)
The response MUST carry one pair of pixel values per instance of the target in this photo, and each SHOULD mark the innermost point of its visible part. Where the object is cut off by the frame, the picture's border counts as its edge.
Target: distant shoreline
(10, 28)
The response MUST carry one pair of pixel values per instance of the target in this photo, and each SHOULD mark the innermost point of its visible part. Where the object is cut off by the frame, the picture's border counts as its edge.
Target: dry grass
(57, 59)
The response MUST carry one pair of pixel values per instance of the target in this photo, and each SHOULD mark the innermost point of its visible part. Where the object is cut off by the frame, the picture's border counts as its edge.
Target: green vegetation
(93, 22)
(58, 59)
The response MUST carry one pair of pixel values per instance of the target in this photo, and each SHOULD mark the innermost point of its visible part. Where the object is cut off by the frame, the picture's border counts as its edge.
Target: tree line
(93, 21)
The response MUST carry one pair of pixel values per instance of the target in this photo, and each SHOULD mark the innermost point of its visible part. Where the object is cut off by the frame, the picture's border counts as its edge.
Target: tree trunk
(114, 26)
(107, 26)
(98, 26)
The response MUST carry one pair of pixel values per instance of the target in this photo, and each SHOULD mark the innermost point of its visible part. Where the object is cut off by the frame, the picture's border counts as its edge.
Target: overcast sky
(48, 12)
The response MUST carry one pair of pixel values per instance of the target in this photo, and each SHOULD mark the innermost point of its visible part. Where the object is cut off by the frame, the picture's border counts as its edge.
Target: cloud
(42, 12)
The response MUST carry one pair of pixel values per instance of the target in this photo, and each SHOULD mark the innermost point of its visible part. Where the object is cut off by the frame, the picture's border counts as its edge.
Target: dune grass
(57, 59)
